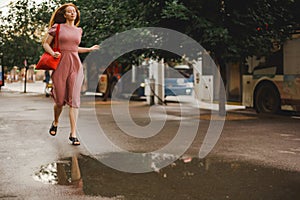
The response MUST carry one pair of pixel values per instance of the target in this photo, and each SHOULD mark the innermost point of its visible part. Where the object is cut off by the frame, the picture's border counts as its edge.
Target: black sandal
(53, 129)
(74, 140)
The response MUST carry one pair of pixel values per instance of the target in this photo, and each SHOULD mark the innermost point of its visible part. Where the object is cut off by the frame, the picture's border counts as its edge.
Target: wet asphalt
(256, 157)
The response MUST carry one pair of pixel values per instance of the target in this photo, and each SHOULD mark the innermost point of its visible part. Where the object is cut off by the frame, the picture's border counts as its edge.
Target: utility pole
(1, 71)
(222, 88)
(1, 59)
(25, 81)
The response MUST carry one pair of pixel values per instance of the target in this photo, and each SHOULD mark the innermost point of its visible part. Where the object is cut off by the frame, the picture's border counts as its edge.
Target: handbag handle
(56, 37)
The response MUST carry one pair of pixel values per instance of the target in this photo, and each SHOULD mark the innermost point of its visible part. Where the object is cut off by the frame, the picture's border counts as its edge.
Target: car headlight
(142, 85)
(188, 91)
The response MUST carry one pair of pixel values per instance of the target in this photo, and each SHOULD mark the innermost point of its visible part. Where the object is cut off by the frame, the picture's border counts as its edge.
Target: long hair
(58, 15)
(59, 18)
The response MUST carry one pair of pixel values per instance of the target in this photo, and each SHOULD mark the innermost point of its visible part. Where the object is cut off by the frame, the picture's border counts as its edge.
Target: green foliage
(102, 19)
(230, 29)
(175, 9)
(234, 29)
(22, 29)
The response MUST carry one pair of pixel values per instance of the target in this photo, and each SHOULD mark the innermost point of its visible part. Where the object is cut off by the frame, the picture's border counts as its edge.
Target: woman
(68, 77)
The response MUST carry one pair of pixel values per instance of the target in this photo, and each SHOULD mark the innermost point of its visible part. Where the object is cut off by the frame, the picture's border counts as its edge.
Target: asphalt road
(25, 144)
(272, 140)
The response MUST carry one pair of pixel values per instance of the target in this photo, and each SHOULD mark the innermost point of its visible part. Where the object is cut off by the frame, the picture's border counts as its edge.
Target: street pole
(25, 81)
(1, 70)
(1, 59)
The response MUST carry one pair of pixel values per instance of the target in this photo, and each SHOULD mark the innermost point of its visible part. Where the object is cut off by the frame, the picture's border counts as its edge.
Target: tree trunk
(222, 99)
(222, 83)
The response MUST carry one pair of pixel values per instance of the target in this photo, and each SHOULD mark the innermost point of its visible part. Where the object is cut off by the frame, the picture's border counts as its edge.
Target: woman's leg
(57, 112)
(73, 114)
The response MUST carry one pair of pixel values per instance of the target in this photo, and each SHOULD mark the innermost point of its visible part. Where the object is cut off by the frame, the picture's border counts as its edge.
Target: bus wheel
(267, 99)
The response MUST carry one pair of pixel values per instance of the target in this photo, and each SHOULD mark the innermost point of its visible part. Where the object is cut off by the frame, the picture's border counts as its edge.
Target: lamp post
(1, 70)
(25, 81)
(1, 59)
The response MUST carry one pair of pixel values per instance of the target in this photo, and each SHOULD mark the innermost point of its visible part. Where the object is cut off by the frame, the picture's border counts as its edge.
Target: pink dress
(68, 77)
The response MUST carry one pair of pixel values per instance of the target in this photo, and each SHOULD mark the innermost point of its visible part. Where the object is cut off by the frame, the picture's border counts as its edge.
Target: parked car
(179, 80)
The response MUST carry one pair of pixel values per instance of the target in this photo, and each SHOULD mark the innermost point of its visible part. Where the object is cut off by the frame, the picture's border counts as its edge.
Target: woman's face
(70, 13)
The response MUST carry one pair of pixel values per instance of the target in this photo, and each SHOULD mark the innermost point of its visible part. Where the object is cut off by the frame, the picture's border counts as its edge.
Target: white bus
(273, 84)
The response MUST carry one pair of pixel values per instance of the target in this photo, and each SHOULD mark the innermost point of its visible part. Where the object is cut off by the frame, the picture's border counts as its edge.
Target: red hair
(58, 15)
(59, 18)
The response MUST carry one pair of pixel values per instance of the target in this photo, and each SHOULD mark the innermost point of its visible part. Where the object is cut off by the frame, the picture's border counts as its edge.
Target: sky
(4, 3)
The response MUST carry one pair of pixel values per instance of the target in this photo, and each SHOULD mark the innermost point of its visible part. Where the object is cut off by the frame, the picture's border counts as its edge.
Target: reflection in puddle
(187, 178)
(47, 174)
(63, 172)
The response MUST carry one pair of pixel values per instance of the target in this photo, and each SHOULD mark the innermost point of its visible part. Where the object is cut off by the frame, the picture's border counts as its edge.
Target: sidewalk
(37, 87)
(203, 104)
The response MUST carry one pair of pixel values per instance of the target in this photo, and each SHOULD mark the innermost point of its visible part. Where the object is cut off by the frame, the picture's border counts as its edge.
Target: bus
(272, 84)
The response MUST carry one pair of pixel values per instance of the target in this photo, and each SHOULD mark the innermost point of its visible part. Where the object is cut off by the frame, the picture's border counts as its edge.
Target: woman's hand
(94, 48)
(56, 54)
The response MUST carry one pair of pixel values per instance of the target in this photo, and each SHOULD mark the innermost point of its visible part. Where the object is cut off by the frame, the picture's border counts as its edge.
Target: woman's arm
(47, 47)
(87, 50)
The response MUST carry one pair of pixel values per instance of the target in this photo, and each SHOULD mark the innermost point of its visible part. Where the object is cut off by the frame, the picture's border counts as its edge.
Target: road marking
(287, 152)
(286, 135)
(293, 149)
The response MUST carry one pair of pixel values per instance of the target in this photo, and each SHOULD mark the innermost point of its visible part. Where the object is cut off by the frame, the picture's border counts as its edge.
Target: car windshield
(178, 72)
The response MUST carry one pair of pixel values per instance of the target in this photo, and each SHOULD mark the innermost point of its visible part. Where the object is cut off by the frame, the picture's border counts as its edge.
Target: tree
(232, 30)
(22, 29)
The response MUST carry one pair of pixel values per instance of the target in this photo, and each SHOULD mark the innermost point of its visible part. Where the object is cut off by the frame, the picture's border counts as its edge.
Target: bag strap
(56, 37)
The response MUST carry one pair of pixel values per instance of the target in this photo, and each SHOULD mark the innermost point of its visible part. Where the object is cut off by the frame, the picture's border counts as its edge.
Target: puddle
(187, 178)
(55, 173)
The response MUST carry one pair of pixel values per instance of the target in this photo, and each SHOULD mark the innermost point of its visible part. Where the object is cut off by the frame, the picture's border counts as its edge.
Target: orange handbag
(47, 61)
